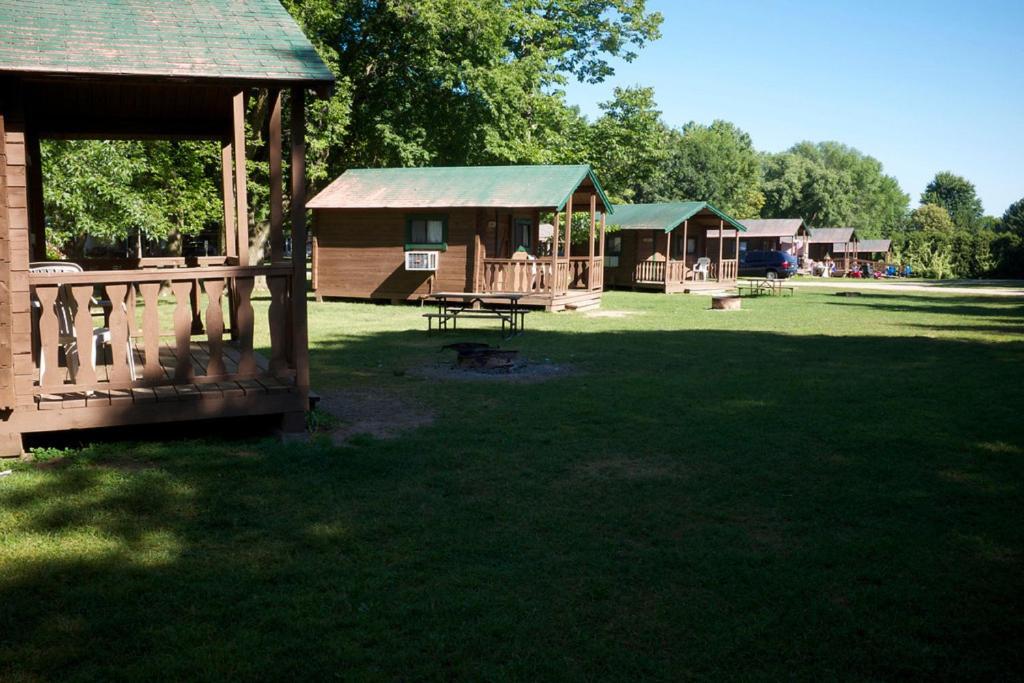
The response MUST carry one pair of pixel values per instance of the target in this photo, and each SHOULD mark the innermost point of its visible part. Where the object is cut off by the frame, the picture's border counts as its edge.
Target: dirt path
(1010, 288)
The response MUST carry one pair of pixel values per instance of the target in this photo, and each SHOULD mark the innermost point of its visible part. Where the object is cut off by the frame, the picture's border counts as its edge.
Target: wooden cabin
(876, 251)
(838, 243)
(788, 235)
(398, 234)
(85, 345)
(667, 247)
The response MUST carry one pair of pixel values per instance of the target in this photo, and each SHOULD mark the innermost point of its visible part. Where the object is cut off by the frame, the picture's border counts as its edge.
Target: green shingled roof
(225, 39)
(467, 186)
(666, 216)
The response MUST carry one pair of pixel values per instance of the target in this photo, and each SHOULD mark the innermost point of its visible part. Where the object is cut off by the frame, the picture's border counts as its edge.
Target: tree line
(458, 82)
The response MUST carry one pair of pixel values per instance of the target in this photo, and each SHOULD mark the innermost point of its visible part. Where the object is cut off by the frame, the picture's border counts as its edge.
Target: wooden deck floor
(166, 391)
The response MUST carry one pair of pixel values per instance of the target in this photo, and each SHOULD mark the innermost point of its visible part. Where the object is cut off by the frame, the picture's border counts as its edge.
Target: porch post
(721, 241)
(554, 256)
(686, 248)
(276, 181)
(568, 243)
(736, 252)
(300, 341)
(241, 200)
(34, 191)
(228, 193)
(593, 229)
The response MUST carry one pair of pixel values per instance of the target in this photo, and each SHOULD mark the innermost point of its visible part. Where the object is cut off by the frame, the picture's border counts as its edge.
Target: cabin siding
(361, 254)
(6, 364)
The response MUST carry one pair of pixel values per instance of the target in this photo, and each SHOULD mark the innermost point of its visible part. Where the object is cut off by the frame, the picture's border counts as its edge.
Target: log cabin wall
(16, 366)
(361, 254)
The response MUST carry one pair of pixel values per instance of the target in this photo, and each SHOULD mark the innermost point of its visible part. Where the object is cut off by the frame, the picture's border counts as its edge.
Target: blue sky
(921, 86)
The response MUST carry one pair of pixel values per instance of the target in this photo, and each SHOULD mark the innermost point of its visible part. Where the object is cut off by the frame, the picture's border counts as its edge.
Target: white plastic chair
(701, 268)
(66, 336)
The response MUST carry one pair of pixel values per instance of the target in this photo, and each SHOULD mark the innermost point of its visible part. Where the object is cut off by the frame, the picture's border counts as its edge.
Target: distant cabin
(871, 250)
(672, 247)
(838, 243)
(773, 234)
(399, 234)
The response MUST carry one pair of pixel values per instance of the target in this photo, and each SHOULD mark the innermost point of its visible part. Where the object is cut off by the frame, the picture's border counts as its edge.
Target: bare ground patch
(522, 371)
(374, 412)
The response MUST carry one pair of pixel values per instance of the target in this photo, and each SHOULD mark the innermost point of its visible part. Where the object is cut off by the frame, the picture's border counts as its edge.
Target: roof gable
(224, 39)
(665, 216)
(538, 186)
(868, 246)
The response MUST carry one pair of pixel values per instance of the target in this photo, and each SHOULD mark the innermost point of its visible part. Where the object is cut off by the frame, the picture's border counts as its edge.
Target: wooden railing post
(277, 316)
(85, 343)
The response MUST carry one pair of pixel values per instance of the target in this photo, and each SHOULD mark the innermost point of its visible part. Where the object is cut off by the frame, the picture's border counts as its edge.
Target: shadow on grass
(729, 504)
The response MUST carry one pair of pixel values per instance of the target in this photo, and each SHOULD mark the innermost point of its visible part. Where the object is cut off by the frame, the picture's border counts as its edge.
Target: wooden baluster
(119, 335)
(152, 372)
(278, 321)
(215, 327)
(49, 334)
(183, 372)
(84, 342)
(243, 291)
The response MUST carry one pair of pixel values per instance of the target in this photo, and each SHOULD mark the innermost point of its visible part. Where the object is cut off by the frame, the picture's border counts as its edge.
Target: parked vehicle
(769, 264)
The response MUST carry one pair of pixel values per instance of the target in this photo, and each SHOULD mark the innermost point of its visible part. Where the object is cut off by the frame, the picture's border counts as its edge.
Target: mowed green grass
(813, 487)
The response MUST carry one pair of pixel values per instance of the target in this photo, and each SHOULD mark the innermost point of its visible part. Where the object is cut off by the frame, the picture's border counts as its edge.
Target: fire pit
(482, 357)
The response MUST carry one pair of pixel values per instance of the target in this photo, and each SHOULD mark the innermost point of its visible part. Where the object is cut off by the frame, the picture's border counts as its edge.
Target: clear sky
(921, 86)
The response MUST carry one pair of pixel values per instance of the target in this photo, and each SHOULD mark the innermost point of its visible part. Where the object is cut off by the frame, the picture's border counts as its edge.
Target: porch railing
(534, 276)
(65, 306)
(649, 271)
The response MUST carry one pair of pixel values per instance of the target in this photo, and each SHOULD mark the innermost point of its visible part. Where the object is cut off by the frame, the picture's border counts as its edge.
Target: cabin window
(691, 245)
(522, 234)
(613, 250)
(426, 232)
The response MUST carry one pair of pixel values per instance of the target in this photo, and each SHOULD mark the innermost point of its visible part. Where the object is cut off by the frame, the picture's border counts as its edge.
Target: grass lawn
(813, 487)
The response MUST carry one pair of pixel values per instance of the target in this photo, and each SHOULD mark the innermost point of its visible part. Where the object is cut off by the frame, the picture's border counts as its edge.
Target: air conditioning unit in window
(421, 260)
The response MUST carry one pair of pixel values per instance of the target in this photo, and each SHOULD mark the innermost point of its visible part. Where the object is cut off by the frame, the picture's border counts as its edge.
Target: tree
(629, 145)
(715, 163)
(1013, 219)
(111, 189)
(459, 82)
(931, 219)
(957, 195)
(828, 183)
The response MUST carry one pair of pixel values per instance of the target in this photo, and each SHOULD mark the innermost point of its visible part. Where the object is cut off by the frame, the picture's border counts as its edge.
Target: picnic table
(759, 286)
(452, 306)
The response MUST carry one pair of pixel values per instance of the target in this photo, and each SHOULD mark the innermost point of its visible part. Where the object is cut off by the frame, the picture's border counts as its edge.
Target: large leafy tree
(628, 143)
(828, 183)
(111, 189)
(1013, 219)
(956, 195)
(715, 163)
(456, 82)
(931, 219)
